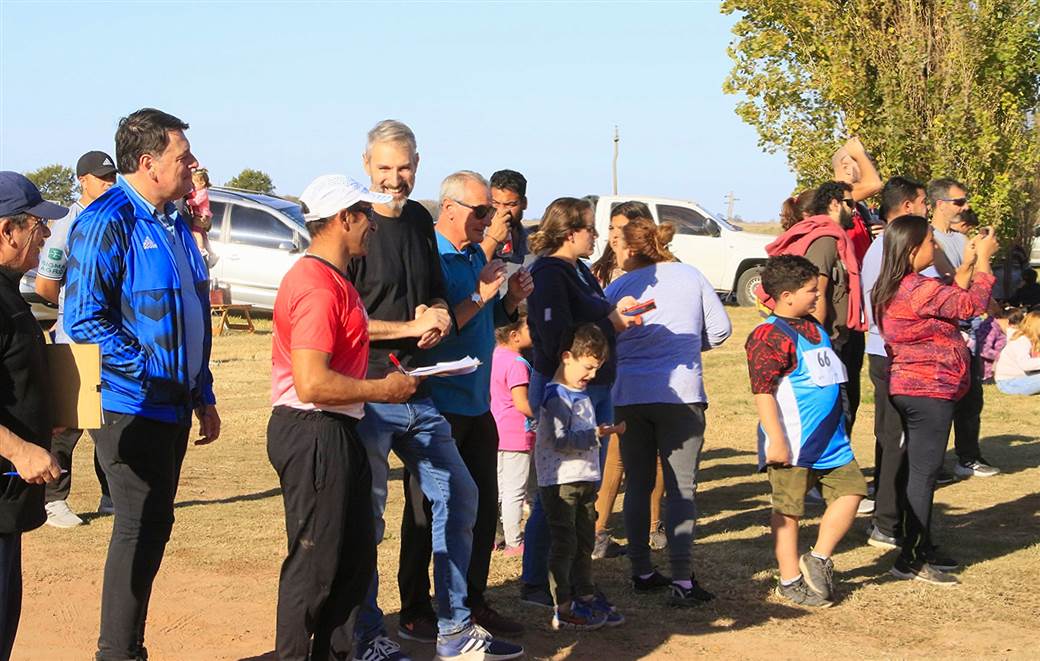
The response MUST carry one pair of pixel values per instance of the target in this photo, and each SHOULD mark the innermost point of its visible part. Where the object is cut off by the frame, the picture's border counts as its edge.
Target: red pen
(397, 364)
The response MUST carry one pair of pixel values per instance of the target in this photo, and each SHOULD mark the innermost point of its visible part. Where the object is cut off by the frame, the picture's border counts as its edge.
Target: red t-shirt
(859, 234)
(317, 308)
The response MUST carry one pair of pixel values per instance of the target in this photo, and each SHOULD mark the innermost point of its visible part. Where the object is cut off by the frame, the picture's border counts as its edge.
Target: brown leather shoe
(495, 622)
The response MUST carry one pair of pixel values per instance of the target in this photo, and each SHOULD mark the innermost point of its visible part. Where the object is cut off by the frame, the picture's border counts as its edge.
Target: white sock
(685, 585)
(791, 581)
(818, 556)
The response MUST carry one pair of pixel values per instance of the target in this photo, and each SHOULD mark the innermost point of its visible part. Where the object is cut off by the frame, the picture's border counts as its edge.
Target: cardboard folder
(75, 371)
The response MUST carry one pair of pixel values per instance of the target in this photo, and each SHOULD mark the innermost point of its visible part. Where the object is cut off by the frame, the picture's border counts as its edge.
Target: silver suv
(257, 238)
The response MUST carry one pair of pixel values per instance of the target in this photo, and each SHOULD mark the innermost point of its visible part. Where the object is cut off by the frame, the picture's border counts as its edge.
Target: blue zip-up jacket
(123, 292)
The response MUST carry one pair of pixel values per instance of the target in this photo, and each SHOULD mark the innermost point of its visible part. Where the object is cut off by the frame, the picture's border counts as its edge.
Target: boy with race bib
(796, 378)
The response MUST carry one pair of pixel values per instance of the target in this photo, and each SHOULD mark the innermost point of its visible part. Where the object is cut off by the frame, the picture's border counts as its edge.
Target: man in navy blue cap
(25, 427)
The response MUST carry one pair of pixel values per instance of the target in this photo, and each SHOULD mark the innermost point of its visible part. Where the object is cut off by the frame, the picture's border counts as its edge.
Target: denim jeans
(421, 439)
(1023, 385)
(536, 532)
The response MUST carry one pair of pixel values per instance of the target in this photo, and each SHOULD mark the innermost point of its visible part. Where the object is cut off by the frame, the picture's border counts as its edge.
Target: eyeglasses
(481, 211)
(957, 201)
(40, 222)
(849, 202)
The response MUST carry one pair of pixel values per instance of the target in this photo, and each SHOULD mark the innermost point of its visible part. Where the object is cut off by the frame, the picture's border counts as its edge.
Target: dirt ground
(215, 595)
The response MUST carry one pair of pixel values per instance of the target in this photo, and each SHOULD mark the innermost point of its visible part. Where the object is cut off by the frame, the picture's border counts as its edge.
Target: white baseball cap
(331, 193)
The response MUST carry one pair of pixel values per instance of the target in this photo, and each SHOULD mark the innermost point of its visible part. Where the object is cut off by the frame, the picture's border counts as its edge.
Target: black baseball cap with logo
(97, 163)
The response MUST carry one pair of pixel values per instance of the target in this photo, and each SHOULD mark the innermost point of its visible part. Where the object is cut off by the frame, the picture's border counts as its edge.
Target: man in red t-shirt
(318, 390)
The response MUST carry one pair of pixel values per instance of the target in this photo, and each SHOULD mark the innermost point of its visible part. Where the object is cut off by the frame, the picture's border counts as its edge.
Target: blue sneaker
(475, 644)
(583, 617)
(599, 603)
(380, 648)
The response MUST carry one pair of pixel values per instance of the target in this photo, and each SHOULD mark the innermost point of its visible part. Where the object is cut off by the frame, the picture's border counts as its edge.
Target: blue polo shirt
(469, 394)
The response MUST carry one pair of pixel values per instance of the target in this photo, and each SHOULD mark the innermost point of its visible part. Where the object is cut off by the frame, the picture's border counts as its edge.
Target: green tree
(56, 183)
(253, 180)
(933, 87)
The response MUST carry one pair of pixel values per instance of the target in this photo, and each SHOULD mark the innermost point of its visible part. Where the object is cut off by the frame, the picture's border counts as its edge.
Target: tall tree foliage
(56, 183)
(253, 180)
(934, 88)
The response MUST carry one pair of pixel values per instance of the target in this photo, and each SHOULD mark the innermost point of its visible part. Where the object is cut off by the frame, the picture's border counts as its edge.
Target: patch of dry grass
(215, 595)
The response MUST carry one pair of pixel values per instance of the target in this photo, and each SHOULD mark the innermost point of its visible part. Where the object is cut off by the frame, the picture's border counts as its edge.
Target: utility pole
(730, 199)
(613, 167)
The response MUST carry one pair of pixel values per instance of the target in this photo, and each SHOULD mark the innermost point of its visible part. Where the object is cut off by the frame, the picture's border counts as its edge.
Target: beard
(396, 205)
(845, 220)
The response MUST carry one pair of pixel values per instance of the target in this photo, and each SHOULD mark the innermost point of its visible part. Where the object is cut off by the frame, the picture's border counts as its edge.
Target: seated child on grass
(796, 378)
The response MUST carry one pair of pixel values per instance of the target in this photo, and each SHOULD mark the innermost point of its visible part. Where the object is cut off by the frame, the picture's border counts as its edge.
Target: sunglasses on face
(481, 211)
(849, 202)
(957, 201)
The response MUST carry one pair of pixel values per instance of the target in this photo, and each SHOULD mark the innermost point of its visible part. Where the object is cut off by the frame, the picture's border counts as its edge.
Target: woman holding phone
(919, 319)
(659, 396)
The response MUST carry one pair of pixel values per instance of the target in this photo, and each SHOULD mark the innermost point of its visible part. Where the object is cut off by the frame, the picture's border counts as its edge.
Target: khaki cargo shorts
(790, 484)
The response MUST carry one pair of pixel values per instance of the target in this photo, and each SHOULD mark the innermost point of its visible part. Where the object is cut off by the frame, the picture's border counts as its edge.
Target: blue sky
(292, 88)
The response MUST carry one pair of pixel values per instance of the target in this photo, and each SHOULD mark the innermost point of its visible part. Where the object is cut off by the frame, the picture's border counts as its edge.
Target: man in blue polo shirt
(137, 286)
(472, 285)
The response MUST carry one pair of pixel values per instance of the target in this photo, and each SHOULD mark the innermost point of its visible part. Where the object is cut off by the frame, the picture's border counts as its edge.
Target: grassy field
(215, 595)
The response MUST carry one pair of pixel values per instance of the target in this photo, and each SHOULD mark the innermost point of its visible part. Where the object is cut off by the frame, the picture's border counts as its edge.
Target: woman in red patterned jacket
(918, 318)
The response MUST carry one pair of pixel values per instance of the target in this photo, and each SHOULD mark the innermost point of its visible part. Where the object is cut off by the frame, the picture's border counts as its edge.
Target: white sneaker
(866, 506)
(60, 516)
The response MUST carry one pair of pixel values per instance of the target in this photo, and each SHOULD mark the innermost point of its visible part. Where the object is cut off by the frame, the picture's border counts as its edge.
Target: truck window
(686, 220)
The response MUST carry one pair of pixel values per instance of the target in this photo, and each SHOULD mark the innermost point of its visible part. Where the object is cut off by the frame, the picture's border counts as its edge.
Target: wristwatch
(476, 298)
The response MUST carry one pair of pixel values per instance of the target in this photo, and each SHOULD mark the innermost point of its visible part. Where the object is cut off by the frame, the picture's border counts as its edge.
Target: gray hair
(19, 220)
(454, 185)
(940, 188)
(392, 131)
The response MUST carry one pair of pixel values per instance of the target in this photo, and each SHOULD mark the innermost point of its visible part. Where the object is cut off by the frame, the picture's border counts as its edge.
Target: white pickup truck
(728, 257)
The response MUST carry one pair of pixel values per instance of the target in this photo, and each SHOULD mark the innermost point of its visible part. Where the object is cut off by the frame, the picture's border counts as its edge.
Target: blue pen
(15, 473)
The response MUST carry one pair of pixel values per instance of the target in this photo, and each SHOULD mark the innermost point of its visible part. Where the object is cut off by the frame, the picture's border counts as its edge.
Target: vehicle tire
(746, 284)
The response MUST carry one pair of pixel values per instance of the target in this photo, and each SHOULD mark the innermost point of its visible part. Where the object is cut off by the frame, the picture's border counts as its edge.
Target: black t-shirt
(24, 388)
(401, 272)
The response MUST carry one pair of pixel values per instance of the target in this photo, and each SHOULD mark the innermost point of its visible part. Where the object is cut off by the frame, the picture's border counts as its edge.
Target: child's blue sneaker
(600, 603)
(474, 643)
(583, 617)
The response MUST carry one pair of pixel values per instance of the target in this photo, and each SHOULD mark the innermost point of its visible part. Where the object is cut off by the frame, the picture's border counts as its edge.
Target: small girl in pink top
(510, 375)
(202, 217)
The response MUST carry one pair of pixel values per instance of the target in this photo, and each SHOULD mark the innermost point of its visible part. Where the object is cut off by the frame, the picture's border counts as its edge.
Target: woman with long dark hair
(919, 320)
(659, 394)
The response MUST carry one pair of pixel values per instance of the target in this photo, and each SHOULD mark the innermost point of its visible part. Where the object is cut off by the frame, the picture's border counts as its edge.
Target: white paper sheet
(459, 367)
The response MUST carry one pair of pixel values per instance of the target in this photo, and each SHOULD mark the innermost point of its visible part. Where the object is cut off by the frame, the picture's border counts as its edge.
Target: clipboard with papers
(466, 365)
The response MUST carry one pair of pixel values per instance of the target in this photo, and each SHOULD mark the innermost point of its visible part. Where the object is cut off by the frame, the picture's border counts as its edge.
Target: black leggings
(926, 425)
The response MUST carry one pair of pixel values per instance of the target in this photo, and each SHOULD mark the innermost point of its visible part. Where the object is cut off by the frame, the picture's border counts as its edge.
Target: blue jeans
(536, 532)
(1023, 385)
(421, 439)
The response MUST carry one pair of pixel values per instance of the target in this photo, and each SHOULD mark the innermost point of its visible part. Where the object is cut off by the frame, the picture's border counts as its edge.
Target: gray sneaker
(922, 571)
(60, 516)
(658, 538)
(801, 594)
(606, 547)
(880, 540)
(977, 468)
(818, 574)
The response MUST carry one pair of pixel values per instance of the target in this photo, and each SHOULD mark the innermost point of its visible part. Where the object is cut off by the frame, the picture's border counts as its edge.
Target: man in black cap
(25, 428)
(96, 172)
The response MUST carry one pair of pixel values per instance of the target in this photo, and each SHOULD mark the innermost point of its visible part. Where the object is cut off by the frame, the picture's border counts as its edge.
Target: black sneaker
(942, 562)
(922, 571)
(694, 596)
(818, 574)
(536, 595)
(880, 540)
(656, 581)
(945, 477)
(422, 629)
(495, 622)
(801, 594)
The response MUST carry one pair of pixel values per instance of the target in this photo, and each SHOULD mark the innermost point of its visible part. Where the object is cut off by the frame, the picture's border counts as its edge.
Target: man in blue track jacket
(137, 285)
